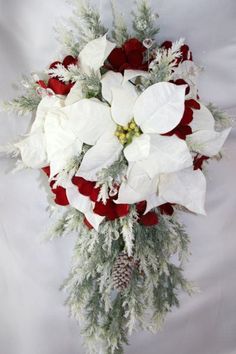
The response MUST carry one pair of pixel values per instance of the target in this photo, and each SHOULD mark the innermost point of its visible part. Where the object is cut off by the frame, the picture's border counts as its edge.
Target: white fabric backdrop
(32, 317)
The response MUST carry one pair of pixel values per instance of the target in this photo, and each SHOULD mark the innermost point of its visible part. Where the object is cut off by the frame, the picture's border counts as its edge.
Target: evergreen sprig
(120, 31)
(87, 22)
(222, 120)
(107, 316)
(144, 21)
(25, 103)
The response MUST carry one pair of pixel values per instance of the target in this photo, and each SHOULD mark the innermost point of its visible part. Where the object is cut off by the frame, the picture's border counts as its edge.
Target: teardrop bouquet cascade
(122, 138)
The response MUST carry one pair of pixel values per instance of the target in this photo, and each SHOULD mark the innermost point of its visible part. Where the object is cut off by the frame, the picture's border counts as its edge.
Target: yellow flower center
(125, 134)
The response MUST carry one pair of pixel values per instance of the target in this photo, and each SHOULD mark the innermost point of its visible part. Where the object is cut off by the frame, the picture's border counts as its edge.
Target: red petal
(122, 210)
(94, 194)
(60, 88)
(141, 207)
(185, 52)
(117, 58)
(198, 161)
(187, 117)
(85, 187)
(61, 198)
(54, 64)
(125, 66)
(107, 209)
(87, 223)
(133, 44)
(166, 44)
(42, 84)
(46, 170)
(78, 181)
(166, 209)
(69, 60)
(193, 104)
(182, 131)
(135, 58)
(149, 219)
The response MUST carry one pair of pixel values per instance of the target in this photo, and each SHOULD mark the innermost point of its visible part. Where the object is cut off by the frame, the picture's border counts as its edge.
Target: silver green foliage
(25, 103)
(110, 176)
(86, 22)
(222, 120)
(106, 316)
(144, 21)
(67, 38)
(120, 31)
(161, 67)
(90, 84)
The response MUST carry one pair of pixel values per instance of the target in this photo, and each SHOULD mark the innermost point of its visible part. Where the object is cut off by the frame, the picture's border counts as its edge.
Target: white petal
(132, 74)
(46, 104)
(61, 142)
(138, 187)
(94, 219)
(75, 94)
(94, 54)
(167, 154)
(62, 158)
(153, 201)
(103, 154)
(110, 80)
(139, 149)
(189, 72)
(33, 150)
(123, 100)
(160, 107)
(186, 187)
(202, 119)
(77, 200)
(208, 142)
(89, 119)
(84, 205)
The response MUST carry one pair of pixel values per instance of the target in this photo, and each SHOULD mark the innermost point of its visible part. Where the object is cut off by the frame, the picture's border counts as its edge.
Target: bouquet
(123, 139)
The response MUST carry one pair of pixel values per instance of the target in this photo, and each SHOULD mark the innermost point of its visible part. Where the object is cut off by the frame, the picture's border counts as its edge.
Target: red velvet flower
(186, 54)
(54, 83)
(149, 219)
(183, 129)
(129, 56)
(110, 210)
(60, 192)
(198, 161)
(87, 223)
(166, 209)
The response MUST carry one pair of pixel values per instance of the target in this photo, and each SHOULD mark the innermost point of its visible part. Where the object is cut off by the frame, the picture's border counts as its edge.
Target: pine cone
(123, 271)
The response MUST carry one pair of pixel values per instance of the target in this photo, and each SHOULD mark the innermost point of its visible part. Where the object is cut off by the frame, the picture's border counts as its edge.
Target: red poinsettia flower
(198, 161)
(129, 56)
(149, 219)
(110, 210)
(54, 83)
(166, 209)
(60, 192)
(186, 54)
(183, 129)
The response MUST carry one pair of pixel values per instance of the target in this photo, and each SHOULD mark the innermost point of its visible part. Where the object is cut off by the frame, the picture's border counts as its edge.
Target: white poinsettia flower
(33, 148)
(157, 110)
(204, 139)
(93, 55)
